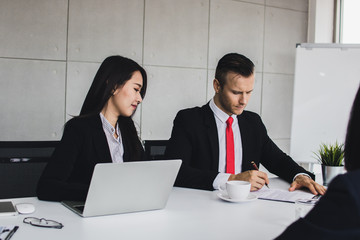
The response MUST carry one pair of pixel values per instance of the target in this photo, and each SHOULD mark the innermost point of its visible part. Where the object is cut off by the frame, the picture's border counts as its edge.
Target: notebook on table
(127, 187)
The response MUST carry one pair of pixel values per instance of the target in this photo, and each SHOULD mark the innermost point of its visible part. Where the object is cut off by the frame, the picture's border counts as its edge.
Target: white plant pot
(329, 172)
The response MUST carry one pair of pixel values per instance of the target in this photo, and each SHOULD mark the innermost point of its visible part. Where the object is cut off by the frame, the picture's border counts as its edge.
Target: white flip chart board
(327, 77)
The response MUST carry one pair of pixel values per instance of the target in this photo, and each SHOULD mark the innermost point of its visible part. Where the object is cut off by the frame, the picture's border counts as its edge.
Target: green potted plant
(331, 159)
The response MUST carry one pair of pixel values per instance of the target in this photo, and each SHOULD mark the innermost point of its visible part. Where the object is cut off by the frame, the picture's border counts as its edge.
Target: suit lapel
(212, 135)
(245, 132)
(100, 141)
(126, 157)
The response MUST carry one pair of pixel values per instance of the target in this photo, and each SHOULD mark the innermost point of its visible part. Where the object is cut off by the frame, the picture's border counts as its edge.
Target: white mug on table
(237, 190)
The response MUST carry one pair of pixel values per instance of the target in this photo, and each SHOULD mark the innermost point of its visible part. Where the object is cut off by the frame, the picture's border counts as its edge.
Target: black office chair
(155, 149)
(21, 165)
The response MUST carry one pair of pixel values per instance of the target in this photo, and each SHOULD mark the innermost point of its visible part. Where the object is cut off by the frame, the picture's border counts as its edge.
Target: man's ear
(216, 85)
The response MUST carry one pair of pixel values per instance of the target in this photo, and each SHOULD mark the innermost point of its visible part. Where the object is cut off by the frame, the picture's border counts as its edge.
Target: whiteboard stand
(327, 77)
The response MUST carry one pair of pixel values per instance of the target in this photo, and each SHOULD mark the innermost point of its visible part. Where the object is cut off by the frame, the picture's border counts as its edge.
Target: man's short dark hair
(236, 63)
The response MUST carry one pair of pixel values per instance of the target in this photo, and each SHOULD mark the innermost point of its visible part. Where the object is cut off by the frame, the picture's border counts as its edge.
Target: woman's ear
(115, 90)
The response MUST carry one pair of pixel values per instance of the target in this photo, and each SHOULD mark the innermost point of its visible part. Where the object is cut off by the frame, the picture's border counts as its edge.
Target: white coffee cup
(238, 190)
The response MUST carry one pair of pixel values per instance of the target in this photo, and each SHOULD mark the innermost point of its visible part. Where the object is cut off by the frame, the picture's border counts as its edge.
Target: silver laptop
(127, 187)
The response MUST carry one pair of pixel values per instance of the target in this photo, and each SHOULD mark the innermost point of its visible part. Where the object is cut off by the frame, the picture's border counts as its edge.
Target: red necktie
(230, 159)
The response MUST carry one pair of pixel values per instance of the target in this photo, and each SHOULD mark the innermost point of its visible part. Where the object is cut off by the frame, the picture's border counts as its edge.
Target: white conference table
(189, 214)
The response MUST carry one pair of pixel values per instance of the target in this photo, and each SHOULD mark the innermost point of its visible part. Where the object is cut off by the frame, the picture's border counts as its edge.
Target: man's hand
(304, 181)
(256, 178)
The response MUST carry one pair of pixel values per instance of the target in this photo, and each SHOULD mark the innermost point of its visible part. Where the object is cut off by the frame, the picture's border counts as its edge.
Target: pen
(316, 196)
(256, 168)
(11, 233)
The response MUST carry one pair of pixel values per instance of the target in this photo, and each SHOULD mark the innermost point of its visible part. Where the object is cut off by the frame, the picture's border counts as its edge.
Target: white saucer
(225, 197)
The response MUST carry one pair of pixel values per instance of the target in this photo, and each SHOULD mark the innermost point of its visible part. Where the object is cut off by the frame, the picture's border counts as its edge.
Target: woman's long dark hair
(352, 141)
(113, 73)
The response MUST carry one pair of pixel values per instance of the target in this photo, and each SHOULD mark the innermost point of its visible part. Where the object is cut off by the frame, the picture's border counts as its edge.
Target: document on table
(282, 195)
(6, 232)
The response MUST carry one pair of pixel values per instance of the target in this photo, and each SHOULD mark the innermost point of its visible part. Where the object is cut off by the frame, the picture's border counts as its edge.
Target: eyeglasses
(42, 222)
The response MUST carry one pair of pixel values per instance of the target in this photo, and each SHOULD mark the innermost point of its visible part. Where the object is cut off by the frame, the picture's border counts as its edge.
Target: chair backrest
(21, 165)
(155, 149)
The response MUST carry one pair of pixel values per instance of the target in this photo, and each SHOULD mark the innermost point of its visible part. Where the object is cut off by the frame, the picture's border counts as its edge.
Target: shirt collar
(108, 127)
(220, 114)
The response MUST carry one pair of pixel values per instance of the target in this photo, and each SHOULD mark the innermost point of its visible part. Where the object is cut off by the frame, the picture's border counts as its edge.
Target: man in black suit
(215, 150)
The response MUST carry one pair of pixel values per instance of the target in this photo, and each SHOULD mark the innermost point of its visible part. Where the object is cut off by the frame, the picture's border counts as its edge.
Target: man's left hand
(304, 181)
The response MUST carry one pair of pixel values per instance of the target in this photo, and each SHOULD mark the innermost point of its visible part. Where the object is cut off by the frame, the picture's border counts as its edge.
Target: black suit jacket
(335, 216)
(67, 175)
(194, 139)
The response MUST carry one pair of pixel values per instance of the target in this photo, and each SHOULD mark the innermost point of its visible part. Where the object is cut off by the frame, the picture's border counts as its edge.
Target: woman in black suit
(103, 132)
(337, 214)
